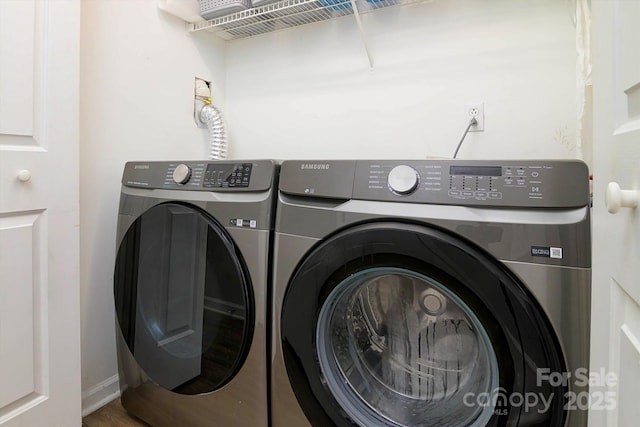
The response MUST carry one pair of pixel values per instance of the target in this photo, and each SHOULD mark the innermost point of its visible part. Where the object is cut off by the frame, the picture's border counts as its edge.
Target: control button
(535, 174)
(454, 193)
(507, 171)
(403, 180)
(481, 194)
(495, 195)
(181, 174)
(467, 193)
(520, 171)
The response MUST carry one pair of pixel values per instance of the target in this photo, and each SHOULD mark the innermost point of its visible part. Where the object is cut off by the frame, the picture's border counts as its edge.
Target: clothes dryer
(191, 286)
(431, 293)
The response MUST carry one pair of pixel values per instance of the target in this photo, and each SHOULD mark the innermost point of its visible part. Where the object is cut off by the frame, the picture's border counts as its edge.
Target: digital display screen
(476, 170)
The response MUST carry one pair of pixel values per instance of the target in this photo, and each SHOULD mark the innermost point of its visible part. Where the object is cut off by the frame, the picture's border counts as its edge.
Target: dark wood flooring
(217, 363)
(112, 415)
(219, 358)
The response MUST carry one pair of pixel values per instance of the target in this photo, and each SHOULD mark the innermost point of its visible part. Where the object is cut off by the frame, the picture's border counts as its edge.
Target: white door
(615, 338)
(39, 271)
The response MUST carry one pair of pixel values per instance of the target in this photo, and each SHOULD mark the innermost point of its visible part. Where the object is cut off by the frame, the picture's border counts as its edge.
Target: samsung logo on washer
(141, 167)
(315, 166)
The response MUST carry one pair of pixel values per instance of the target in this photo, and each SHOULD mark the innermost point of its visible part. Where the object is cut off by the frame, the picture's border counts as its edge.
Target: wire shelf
(287, 14)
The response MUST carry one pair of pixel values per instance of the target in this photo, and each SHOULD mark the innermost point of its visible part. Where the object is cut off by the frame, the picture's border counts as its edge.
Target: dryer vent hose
(211, 117)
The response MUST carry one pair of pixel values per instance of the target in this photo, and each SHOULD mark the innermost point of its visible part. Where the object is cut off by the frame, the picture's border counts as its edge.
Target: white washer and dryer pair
(431, 293)
(417, 293)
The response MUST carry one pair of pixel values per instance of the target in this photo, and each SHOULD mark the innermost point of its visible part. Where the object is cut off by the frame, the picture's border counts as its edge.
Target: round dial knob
(403, 179)
(181, 174)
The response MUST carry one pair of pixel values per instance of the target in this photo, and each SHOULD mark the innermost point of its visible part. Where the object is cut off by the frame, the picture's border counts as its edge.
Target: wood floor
(112, 415)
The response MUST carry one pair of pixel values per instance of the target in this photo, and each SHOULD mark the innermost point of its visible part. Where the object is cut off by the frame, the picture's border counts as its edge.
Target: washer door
(391, 324)
(183, 299)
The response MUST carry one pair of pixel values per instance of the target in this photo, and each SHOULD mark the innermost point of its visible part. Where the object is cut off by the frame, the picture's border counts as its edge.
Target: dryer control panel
(219, 175)
(223, 175)
(508, 183)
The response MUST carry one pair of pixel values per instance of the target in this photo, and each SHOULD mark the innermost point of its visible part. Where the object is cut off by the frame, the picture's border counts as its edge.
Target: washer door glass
(398, 348)
(183, 299)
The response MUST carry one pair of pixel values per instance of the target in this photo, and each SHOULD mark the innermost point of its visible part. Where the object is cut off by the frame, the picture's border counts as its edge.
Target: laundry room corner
(310, 93)
(138, 66)
(319, 213)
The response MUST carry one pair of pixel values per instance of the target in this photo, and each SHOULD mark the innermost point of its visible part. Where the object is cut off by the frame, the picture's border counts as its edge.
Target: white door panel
(616, 269)
(21, 338)
(17, 37)
(39, 272)
(625, 356)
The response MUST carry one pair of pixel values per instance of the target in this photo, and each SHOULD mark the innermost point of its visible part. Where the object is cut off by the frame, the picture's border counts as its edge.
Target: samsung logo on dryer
(141, 167)
(315, 166)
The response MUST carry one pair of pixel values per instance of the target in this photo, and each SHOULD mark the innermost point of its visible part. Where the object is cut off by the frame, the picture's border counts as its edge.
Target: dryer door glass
(183, 299)
(399, 348)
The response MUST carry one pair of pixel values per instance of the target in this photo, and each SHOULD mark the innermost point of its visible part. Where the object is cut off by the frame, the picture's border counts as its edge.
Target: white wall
(138, 68)
(310, 93)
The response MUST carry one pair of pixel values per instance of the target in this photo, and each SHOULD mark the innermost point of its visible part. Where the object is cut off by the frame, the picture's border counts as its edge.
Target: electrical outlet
(475, 109)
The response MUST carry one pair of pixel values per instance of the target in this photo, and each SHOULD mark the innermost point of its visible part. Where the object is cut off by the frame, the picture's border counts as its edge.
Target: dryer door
(392, 324)
(183, 299)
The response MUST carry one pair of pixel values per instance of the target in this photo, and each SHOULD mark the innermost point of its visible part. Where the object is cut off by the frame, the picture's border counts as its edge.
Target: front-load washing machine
(190, 287)
(431, 293)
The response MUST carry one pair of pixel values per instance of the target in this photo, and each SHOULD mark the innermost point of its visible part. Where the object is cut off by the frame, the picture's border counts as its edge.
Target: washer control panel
(212, 175)
(479, 182)
(500, 183)
(496, 183)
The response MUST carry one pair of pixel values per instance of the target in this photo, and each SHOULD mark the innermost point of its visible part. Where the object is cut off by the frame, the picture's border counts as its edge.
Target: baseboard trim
(100, 394)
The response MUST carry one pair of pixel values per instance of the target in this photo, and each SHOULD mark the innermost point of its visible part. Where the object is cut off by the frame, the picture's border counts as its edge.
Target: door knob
(24, 175)
(616, 198)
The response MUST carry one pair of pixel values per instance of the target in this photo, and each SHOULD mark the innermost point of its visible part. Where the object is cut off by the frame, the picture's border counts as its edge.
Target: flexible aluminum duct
(212, 118)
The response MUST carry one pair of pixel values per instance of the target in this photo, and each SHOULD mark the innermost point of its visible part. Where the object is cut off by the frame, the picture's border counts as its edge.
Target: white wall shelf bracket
(363, 34)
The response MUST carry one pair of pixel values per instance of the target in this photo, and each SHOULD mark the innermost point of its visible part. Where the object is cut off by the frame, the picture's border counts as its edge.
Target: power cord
(472, 122)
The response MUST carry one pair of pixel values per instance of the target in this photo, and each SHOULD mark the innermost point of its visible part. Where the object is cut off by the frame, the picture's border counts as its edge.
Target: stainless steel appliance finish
(190, 288)
(363, 247)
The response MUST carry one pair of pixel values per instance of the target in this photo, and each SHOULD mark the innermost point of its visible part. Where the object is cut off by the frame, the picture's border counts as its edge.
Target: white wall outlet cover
(475, 110)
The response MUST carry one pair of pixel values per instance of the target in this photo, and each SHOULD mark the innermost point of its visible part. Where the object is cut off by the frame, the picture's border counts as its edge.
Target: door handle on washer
(616, 198)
